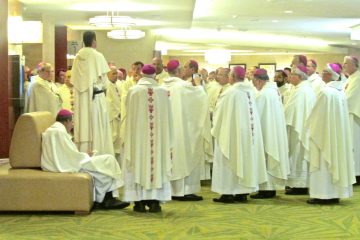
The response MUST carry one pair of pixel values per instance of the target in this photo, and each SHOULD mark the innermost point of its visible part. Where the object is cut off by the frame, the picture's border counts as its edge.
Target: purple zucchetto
(148, 69)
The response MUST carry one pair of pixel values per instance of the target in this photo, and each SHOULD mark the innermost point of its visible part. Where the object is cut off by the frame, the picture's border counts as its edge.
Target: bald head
(351, 64)
(158, 64)
(112, 74)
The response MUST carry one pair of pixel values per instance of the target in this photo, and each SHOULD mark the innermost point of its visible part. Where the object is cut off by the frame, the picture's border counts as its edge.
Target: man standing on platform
(274, 134)
(331, 165)
(192, 138)
(239, 160)
(148, 142)
(297, 110)
(92, 130)
(352, 92)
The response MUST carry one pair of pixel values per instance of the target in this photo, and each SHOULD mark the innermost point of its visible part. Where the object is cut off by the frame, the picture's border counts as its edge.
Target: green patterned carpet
(285, 217)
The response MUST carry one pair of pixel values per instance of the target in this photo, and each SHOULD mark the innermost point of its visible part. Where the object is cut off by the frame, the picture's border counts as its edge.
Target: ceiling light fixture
(288, 11)
(126, 34)
(217, 56)
(110, 20)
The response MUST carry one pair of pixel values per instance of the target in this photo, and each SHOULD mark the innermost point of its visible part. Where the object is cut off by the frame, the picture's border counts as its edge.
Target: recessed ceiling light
(234, 16)
(275, 21)
(288, 11)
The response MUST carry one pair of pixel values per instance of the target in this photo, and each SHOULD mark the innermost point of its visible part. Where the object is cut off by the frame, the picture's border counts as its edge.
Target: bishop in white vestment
(59, 154)
(239, 162)
(66, 92)
(192, 138)
(92, 132)
(43, 93)
(148, 141)
(273, 127)
(331, 163)
(283, 87)
(314, 78)
(297, 110)
(352, 92)
(113, 98)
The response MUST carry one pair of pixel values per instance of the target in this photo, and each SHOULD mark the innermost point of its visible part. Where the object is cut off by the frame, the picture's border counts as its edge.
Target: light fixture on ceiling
(217, 56)
(126, 34)
(355, 32)
(111, 20)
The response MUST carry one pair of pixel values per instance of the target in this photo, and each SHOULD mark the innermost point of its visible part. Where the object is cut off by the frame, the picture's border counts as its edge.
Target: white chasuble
(148, 142)
(113, 98)
(297, 110)
(352, 91)
(330, 150)
(273, 127)
(237, 131)
(44, 96)
(191, 121)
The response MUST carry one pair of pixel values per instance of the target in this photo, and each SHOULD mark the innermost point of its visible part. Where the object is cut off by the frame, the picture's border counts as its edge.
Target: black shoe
(241, 197)
(225, 198)
(262, 194)
(357, 181)
(323, 201)
(112, 203)
(154, 206)
(177, 198)
(96, 205)
(296, 191)
(139, 206)
(189, 197)
(115, 204)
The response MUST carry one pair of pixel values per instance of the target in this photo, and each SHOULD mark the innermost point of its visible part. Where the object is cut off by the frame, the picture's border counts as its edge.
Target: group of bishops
(167, 128)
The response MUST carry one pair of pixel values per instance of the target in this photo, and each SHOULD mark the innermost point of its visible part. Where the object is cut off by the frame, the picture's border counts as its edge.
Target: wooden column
(4, 83)
(60, 47)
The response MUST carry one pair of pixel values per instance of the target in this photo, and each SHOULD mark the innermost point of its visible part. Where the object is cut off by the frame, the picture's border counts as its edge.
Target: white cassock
(339, 85)
(331, 156)
(91, 119)
(285, 91)
(192, 138)
(297, 110)
(148, 138)
(352, 93)
(44, 96)
(239, 161)
(213, 89)
(113, 98)
(161, 77)
(273, 127)
(67, 96)
(125, 86)
(316, 82)
(60, 154)
(33, 79)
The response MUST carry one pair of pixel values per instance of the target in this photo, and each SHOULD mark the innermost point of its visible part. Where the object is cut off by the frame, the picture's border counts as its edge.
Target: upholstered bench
(25, 187)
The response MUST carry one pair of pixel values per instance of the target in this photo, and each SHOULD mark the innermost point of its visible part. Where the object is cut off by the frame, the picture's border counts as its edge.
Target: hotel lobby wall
(122, 52)
(33, 54)
(281, 61)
